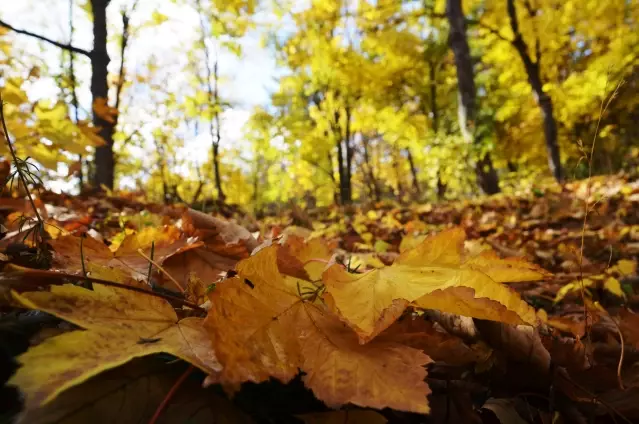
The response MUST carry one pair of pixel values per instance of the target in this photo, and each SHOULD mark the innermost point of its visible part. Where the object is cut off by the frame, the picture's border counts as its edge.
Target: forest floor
(586, 234)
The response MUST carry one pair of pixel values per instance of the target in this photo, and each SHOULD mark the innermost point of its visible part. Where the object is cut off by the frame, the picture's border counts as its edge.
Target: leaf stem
(170, 277)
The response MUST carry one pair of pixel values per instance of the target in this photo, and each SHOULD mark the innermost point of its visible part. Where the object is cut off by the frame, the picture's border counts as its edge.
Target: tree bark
(348, 184)
(413, 172)
(373, 185)
(467, 95)
(104, 159)
(433, 95)
(214, 101)
(543, 100)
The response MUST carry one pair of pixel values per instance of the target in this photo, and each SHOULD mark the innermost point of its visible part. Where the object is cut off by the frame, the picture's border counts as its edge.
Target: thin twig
(169, 276)
(40, 275)
(68, 47)
(148, 277)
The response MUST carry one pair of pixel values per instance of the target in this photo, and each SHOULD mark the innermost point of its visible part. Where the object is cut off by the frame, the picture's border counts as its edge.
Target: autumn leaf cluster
(287, 308)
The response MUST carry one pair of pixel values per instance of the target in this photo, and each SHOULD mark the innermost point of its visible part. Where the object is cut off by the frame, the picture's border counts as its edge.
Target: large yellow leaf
(434, 275)
(120, 325)
(262, 328)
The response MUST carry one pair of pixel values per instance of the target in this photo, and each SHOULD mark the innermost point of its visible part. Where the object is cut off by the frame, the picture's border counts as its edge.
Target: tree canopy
(413, 100)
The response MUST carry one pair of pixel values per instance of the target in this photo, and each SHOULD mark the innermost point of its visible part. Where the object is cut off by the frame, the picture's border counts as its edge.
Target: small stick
(169, 276)
(148, 277)
(40, 275)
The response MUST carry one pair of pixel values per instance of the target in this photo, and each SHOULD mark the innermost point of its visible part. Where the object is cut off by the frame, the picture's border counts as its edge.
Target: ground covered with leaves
(512, 308)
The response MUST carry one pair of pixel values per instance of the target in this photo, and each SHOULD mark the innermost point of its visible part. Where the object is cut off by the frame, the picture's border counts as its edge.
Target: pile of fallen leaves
(512, 308)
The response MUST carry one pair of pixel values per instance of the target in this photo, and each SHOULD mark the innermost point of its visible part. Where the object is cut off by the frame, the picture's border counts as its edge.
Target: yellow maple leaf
(434, 275)
(120, 325)
(261, 328)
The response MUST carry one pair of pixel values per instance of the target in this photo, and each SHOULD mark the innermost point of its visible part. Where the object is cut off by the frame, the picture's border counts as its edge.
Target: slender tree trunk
(533, 71)
(458, 41)
(218, 137)
(348, 184)
(441, 187)
(434, 109)
(372, 181)
(214, 102)
(398, 174)
(104, 159)
(342, 158)
(432, 70)
(413, 172)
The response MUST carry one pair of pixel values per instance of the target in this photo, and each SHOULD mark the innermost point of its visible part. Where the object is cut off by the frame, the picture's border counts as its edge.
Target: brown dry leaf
(629, 326)
(195, 290)
(261, 328)
(224, 243)
(434, 275)
(568, 325)
(224, 237)
(420, 334)
(169, 241)
(121, 325)
(67, 254)
(131, 393)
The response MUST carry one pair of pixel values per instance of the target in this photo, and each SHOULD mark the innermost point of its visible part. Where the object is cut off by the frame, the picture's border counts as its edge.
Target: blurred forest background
(260, 103)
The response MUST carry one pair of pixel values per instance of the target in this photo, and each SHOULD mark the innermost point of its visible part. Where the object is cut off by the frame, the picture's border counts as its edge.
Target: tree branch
(68, 47)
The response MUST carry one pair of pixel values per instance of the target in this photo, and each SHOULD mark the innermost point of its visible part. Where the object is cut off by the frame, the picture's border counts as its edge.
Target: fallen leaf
(434, 275)
(440, 346)
(262, 328)
(131, 393)
(120, 325)
(614, 286)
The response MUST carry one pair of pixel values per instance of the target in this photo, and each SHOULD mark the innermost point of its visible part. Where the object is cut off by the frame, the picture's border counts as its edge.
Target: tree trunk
(441, 187)
(398, 174)
(104, 159)
(413, 172)
(544, 101)
(218, 138)
(370, 173)
(348, 183)
(216, 166)
(433, 95)
(486, 175)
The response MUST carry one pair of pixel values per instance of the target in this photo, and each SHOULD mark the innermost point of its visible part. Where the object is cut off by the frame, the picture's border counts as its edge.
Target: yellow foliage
(119, 325)
(434, 275)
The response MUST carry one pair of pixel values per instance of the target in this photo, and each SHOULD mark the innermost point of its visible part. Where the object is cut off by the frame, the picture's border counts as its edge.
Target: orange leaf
(262, 328)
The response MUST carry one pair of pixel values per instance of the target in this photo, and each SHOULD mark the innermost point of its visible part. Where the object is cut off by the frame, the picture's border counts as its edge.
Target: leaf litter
(388, 307)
